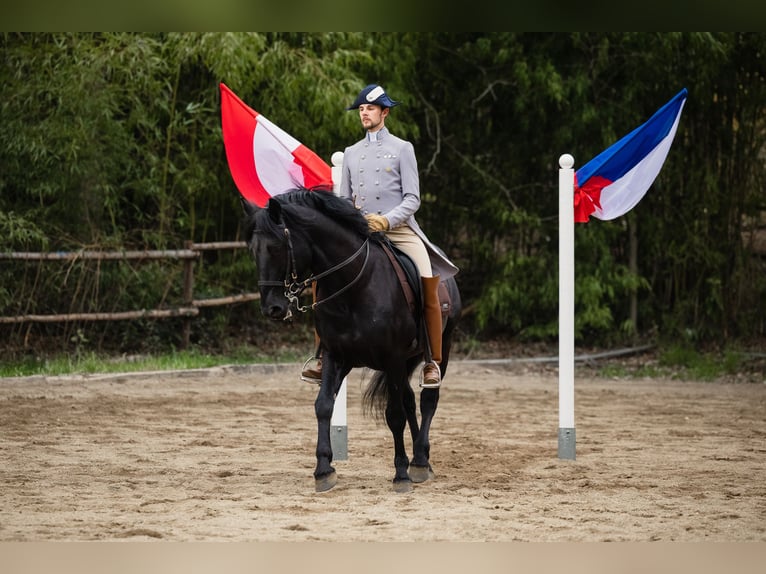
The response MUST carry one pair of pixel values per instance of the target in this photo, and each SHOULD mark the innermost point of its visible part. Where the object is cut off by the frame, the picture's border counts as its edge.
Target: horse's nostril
(275, 312)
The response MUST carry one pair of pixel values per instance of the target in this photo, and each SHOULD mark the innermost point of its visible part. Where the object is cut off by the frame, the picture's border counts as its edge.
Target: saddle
(409, 279)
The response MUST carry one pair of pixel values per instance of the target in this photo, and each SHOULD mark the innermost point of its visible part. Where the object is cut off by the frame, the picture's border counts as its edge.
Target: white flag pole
(566, 444)
(338, 422)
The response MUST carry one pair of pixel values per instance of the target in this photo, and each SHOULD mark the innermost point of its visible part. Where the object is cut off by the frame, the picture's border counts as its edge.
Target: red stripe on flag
(316, 173)
(588, 197)
(238, 123)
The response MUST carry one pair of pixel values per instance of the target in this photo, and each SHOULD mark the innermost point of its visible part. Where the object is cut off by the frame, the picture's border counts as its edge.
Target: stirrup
(423, 384)
(308, 378)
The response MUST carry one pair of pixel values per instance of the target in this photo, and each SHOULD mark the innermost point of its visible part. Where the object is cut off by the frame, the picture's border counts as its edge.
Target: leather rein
(294, 287)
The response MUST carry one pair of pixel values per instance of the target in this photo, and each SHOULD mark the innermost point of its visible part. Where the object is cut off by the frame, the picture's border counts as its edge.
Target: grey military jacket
(381, 177)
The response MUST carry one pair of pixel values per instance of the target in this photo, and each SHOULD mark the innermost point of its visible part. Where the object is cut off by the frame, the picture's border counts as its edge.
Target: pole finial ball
(337, 158)
(566, 161)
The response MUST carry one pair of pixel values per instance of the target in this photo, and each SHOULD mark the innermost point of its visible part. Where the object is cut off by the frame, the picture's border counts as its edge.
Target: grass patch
(680, 362)
(89, 363)
(702, 366)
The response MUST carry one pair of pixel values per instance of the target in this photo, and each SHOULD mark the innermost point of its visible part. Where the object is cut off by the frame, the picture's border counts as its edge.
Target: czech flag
(613, 182)
(263, 159)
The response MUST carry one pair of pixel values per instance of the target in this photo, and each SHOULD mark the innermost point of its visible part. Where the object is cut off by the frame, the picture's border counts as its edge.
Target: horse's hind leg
(397, 421)
(420, 468)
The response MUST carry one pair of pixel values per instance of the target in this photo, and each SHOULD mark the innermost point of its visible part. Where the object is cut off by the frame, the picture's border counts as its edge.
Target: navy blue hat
(373, 94)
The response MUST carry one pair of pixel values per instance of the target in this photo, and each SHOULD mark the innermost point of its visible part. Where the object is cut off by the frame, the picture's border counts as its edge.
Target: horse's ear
(247, 207)
(275, 210)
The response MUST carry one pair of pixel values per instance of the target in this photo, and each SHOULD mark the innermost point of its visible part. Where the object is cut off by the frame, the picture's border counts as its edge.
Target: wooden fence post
(188, 295)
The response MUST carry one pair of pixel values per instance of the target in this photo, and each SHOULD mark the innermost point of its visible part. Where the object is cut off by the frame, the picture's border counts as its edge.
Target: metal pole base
(339, 442)
(567, 443)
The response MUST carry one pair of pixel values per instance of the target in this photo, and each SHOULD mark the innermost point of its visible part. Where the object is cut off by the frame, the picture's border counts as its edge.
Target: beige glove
(376, 222)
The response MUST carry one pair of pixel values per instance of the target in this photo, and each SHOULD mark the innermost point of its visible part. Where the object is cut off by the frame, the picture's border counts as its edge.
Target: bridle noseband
(295, 287)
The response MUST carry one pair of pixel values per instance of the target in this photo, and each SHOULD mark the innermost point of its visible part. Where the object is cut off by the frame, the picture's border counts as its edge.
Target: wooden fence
(189, 309)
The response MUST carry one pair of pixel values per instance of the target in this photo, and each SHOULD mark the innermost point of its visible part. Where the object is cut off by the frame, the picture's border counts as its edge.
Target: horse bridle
(295, 287)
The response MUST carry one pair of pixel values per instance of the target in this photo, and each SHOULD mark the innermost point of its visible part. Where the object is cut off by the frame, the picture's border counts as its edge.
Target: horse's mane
(338, 209)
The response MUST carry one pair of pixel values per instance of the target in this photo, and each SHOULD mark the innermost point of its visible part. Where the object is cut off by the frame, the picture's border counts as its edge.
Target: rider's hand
(376, 222)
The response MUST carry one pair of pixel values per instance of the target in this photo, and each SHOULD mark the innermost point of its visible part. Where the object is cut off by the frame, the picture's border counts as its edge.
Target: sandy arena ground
(227, 454)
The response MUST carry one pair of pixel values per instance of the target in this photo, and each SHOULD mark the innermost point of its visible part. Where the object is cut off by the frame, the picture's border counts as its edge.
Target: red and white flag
(263, 159)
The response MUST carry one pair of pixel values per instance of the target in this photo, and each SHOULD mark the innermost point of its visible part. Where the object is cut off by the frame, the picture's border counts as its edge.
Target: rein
(295, 287)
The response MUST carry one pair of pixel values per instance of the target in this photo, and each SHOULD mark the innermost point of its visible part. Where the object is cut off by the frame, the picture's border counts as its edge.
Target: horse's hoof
(402, 485)
(420, 473)
(326, 482)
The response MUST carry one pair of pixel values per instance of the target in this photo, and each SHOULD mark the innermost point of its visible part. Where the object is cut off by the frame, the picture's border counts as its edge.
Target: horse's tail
(375, 397)
(381, 388)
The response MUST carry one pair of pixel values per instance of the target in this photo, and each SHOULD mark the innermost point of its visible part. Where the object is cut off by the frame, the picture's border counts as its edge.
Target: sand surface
(227, 454)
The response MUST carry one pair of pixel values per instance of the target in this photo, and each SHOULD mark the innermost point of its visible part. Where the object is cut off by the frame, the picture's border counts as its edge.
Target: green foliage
(524, 300)
(17, 232)
(123, 130)
(524, 98)
(113, 140)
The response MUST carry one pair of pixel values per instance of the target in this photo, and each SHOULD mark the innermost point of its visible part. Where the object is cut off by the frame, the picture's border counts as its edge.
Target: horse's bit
(294, 287)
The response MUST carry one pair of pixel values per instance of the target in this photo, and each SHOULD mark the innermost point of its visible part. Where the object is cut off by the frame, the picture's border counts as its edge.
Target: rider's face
(372, 116)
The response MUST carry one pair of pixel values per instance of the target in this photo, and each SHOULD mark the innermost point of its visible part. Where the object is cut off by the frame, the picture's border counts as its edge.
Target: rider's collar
(375, 136)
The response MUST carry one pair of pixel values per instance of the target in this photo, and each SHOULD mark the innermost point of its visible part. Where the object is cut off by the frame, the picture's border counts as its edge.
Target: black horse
(360, 312)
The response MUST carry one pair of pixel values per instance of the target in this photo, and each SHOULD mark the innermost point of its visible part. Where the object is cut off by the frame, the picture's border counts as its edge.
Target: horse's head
(281, 261)
(292, 233)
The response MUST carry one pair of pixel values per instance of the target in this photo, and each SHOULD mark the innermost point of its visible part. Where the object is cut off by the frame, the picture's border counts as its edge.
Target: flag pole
(338, 420)
(566, 446)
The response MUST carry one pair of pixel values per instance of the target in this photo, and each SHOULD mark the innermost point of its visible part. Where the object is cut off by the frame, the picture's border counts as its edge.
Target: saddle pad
(409, 278)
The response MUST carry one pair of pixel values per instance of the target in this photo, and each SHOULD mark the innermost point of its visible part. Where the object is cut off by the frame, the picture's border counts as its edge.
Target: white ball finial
(337, 158)
(566, 161)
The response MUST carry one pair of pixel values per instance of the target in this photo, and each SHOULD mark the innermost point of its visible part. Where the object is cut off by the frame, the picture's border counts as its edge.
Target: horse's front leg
(332, 377)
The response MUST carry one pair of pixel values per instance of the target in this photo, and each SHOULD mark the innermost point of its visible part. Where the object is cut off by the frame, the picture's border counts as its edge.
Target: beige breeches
(406, 240)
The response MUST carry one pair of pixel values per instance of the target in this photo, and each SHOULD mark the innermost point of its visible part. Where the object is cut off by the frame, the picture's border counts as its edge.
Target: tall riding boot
(309, 374)
(433, 316)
